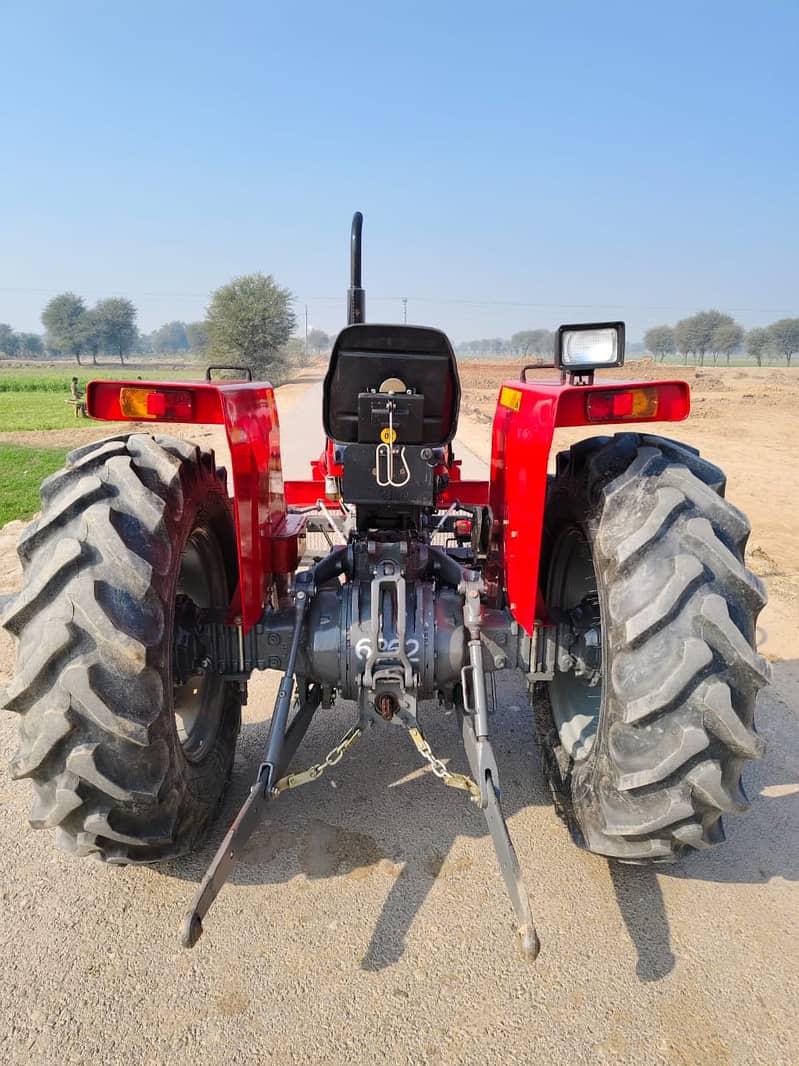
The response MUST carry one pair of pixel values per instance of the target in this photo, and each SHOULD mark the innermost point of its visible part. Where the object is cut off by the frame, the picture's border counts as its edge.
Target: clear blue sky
(583, 160)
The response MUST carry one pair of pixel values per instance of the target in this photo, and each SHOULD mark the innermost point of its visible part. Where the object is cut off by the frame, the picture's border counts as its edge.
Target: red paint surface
(267, 538)
(520, 446)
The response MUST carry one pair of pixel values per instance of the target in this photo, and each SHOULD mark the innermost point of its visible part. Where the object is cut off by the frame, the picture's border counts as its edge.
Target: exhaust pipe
(356, 296)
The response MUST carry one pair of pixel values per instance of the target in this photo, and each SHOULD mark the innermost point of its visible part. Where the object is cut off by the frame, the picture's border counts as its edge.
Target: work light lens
(589, 347)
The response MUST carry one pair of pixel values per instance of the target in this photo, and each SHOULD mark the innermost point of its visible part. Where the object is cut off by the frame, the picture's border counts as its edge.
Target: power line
(465, 302)
(448, 300)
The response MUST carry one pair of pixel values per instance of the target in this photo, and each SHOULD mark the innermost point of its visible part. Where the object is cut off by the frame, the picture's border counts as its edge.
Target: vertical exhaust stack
(356, 296)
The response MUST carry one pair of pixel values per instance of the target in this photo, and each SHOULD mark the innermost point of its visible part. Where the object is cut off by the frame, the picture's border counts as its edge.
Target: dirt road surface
(368, 921)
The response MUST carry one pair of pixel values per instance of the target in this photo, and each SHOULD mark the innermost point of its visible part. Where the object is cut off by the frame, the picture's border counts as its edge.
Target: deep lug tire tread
(96, 732)
(681, 673)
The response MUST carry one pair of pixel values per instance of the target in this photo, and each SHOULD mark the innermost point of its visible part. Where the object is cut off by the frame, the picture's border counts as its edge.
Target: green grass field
(57, 379)
(37, 410)
(21, 472)
(36, 398)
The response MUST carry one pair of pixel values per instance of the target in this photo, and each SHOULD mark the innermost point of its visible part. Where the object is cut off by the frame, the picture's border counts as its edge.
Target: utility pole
(405, 309)
(306, 334)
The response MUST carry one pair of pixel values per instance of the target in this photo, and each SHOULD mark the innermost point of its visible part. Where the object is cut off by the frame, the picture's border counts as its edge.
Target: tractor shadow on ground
(381, 815)
(402, 823)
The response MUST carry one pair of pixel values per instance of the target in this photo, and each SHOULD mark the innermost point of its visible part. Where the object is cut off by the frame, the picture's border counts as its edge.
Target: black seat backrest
(364, 356)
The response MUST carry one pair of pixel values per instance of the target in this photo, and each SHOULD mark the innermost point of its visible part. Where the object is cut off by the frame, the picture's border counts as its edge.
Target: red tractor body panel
(526, 417)
(268, 535)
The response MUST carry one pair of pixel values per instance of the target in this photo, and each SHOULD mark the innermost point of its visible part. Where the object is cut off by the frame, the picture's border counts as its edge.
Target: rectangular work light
(590, 346)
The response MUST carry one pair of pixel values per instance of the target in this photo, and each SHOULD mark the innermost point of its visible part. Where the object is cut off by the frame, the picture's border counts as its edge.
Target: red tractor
(153, 588)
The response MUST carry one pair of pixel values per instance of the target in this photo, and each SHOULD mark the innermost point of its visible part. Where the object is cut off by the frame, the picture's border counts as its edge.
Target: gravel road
(368, 920)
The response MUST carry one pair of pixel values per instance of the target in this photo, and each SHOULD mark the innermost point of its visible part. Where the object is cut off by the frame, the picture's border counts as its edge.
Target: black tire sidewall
(201, 782)
(569, 506)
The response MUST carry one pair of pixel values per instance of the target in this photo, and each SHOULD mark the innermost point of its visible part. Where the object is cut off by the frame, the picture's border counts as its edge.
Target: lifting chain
(304, 777)
(440, 770)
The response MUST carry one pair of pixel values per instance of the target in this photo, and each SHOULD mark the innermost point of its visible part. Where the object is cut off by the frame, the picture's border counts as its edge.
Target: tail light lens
(463, 527)
(622, 403)
(173, 405)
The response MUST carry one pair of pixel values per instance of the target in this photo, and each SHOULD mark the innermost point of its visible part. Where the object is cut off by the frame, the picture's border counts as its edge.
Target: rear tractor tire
(128, 761)
(649, 718)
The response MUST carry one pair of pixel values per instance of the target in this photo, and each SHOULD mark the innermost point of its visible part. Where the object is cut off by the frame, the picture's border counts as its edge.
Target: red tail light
(639, 403)
(148, 403)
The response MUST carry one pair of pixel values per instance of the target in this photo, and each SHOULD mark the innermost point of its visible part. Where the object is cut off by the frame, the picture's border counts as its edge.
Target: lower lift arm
(281, 745)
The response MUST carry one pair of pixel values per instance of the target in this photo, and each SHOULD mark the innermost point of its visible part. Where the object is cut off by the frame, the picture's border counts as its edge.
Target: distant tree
(51, 349)
(94, 338)
(318, 341)
(695, 334)
(31, 345)
(250, 319)
(64, 318)
(660, 341)
(714, 325)
(171, 338)
(707, 323)
(757, 344)
(12, 345)
(685, 338)
(117, 323)
(532, 342)
(197, 337)
(293, 352)
(726, 338)
(785, 337)
(5, 333)
(143, 344)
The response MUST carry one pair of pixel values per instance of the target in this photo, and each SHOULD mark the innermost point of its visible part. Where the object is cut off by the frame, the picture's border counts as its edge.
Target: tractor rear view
(154, 585)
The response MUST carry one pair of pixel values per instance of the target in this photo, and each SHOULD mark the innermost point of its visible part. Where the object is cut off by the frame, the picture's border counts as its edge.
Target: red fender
(267, 537)
(526, 417)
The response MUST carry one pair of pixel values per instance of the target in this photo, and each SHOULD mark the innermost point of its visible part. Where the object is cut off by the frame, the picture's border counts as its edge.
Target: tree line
(716, 334)
(109, 328)
(538, 343)
(706, 334)
(250, 321)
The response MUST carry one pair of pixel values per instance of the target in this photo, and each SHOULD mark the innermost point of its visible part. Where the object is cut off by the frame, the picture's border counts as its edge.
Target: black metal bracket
(537, 653)
(534, 366)
(243, 370)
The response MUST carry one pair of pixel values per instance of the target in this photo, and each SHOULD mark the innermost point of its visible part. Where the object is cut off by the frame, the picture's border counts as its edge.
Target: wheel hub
(575, 690)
